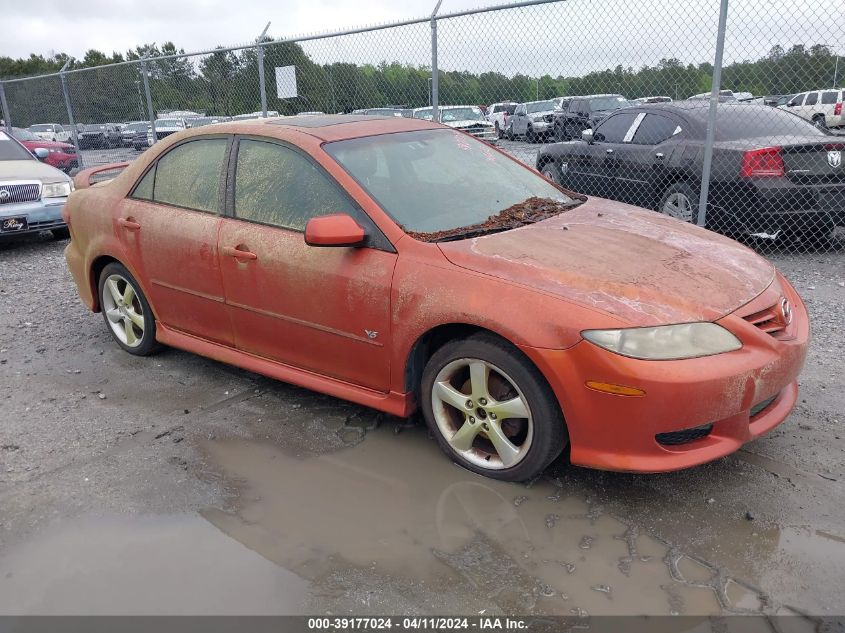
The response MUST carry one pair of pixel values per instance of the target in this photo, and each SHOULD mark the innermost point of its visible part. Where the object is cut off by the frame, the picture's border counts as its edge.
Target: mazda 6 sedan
(404, 265)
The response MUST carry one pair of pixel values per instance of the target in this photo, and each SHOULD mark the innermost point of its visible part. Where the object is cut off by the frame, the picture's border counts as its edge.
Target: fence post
(7, 116)
(711, 115)
(435, 84)
(146, 79)
(69, 108)
(259, 52)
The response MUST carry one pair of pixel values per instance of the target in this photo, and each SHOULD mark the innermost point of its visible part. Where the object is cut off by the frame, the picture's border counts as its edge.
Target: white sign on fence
(286, 82)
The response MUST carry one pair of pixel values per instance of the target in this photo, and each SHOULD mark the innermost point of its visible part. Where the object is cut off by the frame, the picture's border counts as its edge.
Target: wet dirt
(527, 212)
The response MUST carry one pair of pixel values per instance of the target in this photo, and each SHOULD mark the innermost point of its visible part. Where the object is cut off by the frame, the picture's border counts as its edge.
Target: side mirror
(41, 153)
(334, 230)
(587, 136)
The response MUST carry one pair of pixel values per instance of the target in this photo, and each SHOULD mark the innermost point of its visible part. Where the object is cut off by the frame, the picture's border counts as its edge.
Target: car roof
(327, 127)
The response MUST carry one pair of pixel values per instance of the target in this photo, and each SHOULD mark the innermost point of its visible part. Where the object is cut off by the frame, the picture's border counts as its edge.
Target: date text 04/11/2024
(430, 623)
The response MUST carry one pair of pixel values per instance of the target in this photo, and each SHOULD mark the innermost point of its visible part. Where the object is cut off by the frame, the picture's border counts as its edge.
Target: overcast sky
(569, 37)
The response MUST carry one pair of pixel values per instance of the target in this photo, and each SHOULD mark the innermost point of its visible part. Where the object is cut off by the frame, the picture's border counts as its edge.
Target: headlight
(666, 342)
(537, 119)
(56, 190)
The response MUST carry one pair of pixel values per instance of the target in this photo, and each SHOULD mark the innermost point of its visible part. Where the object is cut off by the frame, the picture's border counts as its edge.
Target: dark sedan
(773, 175)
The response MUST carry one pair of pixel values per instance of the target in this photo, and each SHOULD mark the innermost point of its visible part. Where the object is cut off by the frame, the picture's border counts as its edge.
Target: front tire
(491, 410)
(126, 311)
(509, 133)
(551, 171)
(498, 130)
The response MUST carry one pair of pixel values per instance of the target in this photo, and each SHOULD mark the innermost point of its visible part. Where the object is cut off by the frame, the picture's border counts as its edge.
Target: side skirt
(399, 404)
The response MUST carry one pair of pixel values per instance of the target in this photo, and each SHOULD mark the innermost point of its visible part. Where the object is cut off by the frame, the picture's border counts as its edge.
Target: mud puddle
(169, 565)
(390, 523)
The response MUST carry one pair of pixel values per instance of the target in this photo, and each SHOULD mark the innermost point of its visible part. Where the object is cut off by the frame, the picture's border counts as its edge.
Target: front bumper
(41, 215)
(718, 393)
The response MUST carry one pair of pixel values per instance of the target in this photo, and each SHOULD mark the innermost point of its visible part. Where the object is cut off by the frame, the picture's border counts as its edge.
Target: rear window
(751, 121)
(829, 97)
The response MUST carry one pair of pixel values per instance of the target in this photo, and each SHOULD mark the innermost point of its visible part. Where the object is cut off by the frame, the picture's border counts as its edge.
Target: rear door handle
(237, 253)
(659, 155)
(129, 224)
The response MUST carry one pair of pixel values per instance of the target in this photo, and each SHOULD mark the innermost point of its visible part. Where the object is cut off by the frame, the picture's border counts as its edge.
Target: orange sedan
(398, 263)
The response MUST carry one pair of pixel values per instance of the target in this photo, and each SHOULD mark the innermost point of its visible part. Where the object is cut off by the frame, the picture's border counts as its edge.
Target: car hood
(544, 113)
(30, 170)
(639, 266)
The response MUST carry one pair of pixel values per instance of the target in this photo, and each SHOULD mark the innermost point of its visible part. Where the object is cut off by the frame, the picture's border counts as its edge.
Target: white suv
(51, 132)
(823, 108)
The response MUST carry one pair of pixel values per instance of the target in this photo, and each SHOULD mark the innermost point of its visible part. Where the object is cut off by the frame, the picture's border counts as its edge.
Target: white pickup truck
(498, 114)
(51, 132)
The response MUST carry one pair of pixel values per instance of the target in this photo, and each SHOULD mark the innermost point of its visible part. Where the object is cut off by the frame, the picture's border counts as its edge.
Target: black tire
(509, 133)
(552, 172)
(820, 122)
(549, 437)
(530, 135)
(148, 344)
(680, 188)
(498, 130)
(559, 134)
(61, 234)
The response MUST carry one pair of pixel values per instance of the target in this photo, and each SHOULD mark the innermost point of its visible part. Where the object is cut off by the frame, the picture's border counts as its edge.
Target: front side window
(797, 100)
(278, 186)
(812, 99)
(613, 129)
(189, 175)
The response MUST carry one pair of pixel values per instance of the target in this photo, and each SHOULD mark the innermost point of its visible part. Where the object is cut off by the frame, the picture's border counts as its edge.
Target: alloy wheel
(679, 206)
(124, 310)
(482, 413)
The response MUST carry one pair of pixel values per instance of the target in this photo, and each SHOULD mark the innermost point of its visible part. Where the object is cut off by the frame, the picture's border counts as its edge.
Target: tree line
(226, 82)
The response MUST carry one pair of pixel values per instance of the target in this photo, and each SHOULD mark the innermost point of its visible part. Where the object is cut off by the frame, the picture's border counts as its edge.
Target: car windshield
(11, 149)
(425, 113)
(608, 103)
(42, 127)
(168, 123)
(136, 127)
(429, 181)
(540, 106)
(461, 114)
(93, 128)
(23, 135)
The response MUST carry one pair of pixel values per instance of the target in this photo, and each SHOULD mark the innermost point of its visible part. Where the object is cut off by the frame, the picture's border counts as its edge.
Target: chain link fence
(728, 113)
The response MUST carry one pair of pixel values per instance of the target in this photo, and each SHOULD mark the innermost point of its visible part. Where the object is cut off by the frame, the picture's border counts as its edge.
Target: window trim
(619, 114)
(678, 132)
(374, 237)
(223, 178)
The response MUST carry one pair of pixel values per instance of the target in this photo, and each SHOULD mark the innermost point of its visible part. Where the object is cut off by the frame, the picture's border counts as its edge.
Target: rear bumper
(615, 432)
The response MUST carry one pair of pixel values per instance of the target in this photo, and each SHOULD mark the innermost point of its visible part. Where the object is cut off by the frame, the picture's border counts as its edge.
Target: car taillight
(762, 162)
(837, 109)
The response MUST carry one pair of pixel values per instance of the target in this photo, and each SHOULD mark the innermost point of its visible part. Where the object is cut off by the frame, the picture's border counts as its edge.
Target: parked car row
(772, 173)
(59, 155)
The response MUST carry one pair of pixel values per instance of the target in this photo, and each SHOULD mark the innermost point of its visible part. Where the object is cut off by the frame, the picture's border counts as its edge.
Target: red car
(62, 155)
(400, 264)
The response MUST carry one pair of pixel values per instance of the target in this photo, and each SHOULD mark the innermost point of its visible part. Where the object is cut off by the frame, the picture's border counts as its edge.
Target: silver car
(533, 120)
(32, 194)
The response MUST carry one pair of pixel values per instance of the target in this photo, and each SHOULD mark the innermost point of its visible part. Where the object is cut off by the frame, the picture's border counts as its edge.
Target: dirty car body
(520, 317)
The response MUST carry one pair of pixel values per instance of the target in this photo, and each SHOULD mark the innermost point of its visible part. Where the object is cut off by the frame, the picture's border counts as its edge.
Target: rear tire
(61, 234)
(509, 133)
(465, 383)
(498, 130)
(551, 171)
(680, 202)
(127, 313)
(530, 136)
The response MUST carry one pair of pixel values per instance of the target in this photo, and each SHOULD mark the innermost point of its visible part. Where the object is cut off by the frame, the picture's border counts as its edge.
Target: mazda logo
(786, 311)
(834, 158)
(4, 195)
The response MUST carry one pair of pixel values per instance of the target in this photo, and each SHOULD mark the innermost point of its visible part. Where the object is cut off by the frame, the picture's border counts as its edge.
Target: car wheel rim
(678, 206)
(482, 414)
(123, 310)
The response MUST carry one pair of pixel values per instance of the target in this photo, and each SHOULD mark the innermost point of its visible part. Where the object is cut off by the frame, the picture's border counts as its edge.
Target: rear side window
(654, 129)
(276, 185)
(613, 129)
(189, 175)
(751, 121)
(812, 98)
(829, 97)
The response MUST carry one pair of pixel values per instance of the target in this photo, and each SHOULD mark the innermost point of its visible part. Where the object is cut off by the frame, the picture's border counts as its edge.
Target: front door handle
(659, 155)
(129, 224)
(238, 253)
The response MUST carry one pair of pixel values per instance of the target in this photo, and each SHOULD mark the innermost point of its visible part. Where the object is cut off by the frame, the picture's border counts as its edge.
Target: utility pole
(435, 79)
(262, 87)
